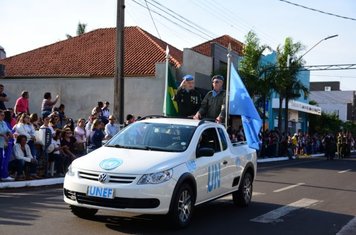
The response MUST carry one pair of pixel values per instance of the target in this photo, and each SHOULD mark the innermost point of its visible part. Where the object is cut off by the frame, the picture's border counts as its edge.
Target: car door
(230, 171)
(210, 169)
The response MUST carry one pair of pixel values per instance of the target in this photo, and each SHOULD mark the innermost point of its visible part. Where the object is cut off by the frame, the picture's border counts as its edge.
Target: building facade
(332, 100)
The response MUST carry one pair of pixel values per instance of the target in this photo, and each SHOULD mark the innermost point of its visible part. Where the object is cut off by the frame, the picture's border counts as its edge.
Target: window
(222, 138)
(209, 139)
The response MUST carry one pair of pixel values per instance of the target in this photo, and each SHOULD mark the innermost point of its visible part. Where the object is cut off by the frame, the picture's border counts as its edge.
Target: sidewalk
(53, 181)
(275, 159)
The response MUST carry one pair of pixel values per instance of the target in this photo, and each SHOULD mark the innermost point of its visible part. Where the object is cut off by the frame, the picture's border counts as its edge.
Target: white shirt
(111, 129)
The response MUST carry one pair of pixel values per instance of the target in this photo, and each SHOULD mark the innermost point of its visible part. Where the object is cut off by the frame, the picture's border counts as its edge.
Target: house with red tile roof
(81, 70)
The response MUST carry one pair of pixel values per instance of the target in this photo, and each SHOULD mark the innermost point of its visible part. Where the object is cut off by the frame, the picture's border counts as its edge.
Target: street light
(324, 39)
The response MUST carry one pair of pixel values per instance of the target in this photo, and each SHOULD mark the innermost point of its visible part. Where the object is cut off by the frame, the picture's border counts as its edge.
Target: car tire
(82, 212)
(182, 206)
(242, 197)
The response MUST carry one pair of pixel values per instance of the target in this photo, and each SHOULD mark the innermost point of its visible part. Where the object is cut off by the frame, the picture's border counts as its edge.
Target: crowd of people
(25, 151)
(304, 144)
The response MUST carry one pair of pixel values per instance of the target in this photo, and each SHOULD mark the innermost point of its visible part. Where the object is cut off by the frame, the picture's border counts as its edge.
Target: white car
(161, 166)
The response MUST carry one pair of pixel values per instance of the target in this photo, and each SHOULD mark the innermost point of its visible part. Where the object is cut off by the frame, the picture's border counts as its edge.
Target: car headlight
(156, 178)
(70, 171)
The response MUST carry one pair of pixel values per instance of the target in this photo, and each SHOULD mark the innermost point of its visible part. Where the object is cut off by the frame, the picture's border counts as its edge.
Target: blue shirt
(3, 131)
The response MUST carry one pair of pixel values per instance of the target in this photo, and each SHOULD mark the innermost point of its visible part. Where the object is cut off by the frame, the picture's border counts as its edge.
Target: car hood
(128, 161)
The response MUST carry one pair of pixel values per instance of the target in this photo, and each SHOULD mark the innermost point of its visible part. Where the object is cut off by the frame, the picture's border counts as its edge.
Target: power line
(179, 18)
(173, 22)
(240, 21)
(200, 28)
(313, 9)
(153, 20)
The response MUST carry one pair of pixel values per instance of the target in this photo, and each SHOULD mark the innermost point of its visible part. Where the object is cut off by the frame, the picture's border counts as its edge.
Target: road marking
(288, 187)
(275, 215)
(257, 194)
(229, 197)
(349, 228)
(340, 172)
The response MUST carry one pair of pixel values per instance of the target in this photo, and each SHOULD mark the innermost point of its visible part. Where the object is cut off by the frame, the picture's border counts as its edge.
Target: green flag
(170, 107)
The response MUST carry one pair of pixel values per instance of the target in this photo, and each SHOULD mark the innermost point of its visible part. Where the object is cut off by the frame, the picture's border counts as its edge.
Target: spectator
(213, 104)
(69, 124)
(23, 158)
(46, 122)
(55, 155)
(54, 120)
(21, 105)
(188, 98)
(24, 127)
(68, 146)
(129, 119)
(62, 116)
(80, 136)
(98, 109)
(106, 113)
(35, 121)
(89, 124)
(96, 135)
(3, 98)
(111, 128)
(5, 145)
(13, 118)
(47, 104)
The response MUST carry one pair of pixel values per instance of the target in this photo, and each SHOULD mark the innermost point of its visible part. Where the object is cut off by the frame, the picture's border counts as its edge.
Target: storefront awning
(298, 106)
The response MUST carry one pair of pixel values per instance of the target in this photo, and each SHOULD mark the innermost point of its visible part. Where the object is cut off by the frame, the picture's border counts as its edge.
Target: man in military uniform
(213, 104)
(188, 97)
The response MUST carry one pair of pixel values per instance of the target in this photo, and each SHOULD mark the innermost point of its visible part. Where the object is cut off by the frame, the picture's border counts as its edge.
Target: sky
(29, 24)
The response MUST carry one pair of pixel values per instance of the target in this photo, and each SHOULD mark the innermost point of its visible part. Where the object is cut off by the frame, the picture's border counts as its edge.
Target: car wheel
(82, 212)
(242, 197)
(182, 206)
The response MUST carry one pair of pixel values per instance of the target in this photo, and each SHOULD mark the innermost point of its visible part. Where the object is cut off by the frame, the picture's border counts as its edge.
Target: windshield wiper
(115, 146)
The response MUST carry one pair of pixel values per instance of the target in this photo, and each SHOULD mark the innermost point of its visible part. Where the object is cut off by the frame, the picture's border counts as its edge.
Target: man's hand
(197, 116)
(219, 119)
(182, 84)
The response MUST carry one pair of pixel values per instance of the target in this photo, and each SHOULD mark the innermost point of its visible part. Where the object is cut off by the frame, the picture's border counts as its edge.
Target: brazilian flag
(170, 107)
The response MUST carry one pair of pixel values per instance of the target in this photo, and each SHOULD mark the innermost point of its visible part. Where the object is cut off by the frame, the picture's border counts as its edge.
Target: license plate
(95, 191)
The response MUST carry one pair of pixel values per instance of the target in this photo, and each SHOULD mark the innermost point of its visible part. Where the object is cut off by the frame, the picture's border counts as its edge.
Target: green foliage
(326, 123)
(251, 69)
(81, 29)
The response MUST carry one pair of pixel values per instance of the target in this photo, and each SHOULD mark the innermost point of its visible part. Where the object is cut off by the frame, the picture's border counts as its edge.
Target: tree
(81, 29)
(287, 85)
(255, 74)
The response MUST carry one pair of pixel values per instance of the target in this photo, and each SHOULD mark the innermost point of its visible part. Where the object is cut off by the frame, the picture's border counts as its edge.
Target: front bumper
(127, 196)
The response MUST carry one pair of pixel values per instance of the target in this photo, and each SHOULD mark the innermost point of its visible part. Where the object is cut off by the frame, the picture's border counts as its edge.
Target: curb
(276, 159)
(31, 183)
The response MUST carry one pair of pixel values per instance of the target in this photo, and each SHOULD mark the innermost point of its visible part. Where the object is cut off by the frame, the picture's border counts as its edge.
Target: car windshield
(154, 136)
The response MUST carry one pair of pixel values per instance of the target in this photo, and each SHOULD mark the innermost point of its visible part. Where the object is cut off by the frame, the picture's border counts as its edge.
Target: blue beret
(188, 77)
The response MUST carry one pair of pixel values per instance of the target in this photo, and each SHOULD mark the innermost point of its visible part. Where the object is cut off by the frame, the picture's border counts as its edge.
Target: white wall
(143, 96)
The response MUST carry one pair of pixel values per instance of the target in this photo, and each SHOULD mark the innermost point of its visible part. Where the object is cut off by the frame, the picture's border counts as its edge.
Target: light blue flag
(240, 103)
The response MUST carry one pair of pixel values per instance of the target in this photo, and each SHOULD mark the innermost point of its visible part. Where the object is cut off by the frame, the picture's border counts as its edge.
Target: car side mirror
(205, 152)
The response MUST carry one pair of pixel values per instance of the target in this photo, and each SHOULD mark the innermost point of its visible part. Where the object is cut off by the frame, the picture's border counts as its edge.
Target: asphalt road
(312, 196)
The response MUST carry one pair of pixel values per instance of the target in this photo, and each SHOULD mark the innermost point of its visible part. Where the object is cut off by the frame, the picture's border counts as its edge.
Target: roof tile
(93, 55)
(205, 48)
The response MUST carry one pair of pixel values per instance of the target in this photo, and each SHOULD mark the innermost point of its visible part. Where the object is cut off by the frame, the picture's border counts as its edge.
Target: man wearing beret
(188, 97)
(213, 104)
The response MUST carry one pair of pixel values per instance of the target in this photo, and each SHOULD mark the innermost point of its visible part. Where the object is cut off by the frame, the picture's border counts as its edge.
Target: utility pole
(119, 63)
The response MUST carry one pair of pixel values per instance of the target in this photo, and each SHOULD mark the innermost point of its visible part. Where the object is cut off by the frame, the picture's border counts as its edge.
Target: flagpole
(227, 85)
(166, 83)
